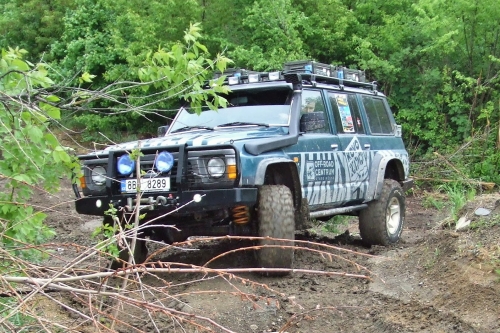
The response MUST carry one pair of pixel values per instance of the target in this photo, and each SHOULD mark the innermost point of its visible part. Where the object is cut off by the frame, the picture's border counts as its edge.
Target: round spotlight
(125, 165)
(164, 161)
(216, 167)
(99, 175)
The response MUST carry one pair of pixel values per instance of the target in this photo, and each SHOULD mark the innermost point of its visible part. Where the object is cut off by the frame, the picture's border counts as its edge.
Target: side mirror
(312, 121)
(162, 130)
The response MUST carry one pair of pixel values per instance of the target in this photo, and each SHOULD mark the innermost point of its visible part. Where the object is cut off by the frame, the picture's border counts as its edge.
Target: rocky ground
(435, 280)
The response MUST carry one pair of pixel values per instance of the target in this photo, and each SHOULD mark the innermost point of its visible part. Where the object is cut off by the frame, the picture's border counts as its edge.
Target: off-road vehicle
(310, 141)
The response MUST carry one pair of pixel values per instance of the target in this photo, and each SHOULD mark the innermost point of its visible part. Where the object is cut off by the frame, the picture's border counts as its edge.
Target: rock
(254, 327)
(482, 212)
(462, 224)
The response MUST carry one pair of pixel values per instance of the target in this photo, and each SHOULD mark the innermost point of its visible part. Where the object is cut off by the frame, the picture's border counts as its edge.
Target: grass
(431, 201)
(337, 224)
(458, 196)
(483, 222)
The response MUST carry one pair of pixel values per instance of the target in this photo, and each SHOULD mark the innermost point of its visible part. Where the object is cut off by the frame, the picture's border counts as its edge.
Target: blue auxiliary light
(164, 162)
(125, 165)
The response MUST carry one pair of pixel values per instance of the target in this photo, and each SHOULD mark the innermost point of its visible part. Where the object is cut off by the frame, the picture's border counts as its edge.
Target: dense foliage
(31, 157)
(437, 60)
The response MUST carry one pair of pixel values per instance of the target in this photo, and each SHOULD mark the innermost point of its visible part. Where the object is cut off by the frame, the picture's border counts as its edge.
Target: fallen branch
(486, 185)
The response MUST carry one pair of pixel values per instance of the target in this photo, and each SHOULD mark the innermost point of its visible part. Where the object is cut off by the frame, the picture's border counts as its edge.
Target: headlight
(99, 175)
(164, 162)
(216, 167)
(125, 165)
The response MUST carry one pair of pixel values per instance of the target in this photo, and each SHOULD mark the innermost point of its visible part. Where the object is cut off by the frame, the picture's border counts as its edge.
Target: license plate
(147, 185)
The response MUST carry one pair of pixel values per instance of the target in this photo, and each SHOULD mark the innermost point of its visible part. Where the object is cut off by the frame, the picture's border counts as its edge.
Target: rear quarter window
(377, 113)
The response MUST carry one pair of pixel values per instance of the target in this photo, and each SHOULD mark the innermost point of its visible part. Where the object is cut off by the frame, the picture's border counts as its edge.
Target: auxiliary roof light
(273, 76)
(253, 78)
(233, 80)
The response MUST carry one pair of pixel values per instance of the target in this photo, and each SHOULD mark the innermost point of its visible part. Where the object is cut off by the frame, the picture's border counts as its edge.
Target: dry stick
(296, 316)
(450, 165)
(82, 257)
(131, 249)
(467, 180)
(140, 304)
(487, 185)
(257, 247)
(143, 269)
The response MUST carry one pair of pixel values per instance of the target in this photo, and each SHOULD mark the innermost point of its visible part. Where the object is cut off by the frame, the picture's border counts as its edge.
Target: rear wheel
(381, 223)
(276, 220)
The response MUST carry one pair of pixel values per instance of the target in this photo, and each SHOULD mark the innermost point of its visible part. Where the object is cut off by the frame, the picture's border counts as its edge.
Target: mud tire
(381, 223)
(275, 219)
(303, 221)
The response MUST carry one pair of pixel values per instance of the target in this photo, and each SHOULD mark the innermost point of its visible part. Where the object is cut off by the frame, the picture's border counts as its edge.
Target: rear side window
(346, 113)
(378, 115)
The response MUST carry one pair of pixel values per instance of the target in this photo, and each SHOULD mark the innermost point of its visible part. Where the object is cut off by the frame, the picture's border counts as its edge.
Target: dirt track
(435, 280)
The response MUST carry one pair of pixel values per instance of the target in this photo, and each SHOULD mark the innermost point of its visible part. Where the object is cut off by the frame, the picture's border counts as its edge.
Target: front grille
(195, 173)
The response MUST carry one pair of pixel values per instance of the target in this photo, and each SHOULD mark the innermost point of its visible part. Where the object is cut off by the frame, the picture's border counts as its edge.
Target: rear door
(354, 143)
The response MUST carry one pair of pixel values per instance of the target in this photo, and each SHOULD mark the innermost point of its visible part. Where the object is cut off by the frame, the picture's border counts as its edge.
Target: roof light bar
(273, 76)
(233, 80)
(253, 78)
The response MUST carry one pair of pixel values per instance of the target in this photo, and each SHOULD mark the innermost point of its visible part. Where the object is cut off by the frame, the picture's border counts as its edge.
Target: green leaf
(20, 65)
(52, 98)
(86, 77)
(22, 178)
(52, 111)
(51, 140)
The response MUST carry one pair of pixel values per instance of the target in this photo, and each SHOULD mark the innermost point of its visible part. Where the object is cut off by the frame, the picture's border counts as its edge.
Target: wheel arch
(280, 171)
(389, 167)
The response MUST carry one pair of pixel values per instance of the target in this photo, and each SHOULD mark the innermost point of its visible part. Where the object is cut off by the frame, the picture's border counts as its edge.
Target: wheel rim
(393, 216)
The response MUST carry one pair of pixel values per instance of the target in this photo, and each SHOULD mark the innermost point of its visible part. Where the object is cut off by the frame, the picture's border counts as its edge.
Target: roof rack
(298, 71)
(316, 72)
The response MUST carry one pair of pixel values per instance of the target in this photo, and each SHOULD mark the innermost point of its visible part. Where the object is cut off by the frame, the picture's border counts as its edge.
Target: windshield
(269, 107)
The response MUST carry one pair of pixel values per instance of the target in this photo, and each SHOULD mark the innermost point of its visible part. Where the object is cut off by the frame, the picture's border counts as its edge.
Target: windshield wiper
(242, 123)
(186, 128)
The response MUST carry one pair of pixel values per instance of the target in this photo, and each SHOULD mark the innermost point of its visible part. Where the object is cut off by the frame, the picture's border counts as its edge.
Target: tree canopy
(438, 61)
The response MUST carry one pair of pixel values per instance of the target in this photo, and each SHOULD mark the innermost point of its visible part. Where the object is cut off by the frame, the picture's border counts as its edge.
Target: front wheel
(276, 220)
(381, 223)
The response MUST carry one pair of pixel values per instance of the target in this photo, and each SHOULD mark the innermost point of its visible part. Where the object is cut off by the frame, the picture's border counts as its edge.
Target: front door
(320, 161)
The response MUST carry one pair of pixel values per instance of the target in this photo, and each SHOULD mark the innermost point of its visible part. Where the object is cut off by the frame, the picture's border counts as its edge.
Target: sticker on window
(345, 113)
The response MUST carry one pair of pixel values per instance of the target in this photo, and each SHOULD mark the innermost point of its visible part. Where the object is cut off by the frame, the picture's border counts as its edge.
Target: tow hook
(150, 203)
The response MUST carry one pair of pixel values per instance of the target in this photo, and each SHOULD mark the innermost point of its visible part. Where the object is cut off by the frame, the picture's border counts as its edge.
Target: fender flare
(260, 174)
(377, 175)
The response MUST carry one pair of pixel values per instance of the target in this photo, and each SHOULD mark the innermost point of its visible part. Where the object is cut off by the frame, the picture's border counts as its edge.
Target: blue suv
(311, 141)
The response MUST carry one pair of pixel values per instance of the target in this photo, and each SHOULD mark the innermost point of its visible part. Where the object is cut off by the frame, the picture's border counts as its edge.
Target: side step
(336, 211)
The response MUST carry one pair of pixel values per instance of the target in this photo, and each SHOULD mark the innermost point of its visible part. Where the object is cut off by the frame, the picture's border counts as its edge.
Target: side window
(377, 114)
(346, 112)
(314, 107)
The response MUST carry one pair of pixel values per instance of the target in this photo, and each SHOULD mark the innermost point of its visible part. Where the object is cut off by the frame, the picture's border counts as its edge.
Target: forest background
(102, 71)
(437, 60)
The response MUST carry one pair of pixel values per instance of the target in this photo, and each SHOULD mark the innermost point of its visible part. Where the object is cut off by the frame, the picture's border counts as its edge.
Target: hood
(205, 137)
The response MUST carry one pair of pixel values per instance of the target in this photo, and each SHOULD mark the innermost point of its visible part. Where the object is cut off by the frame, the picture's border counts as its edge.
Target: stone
(482, 212)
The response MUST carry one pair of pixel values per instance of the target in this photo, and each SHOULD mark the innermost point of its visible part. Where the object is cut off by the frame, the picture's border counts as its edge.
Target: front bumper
(167, 201)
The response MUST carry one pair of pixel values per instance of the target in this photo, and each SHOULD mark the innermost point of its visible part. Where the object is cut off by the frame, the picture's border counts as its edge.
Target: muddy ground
(435, 280)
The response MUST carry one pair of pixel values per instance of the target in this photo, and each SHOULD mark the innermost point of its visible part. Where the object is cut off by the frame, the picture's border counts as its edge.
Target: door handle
(334, 146)
(367, 146)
